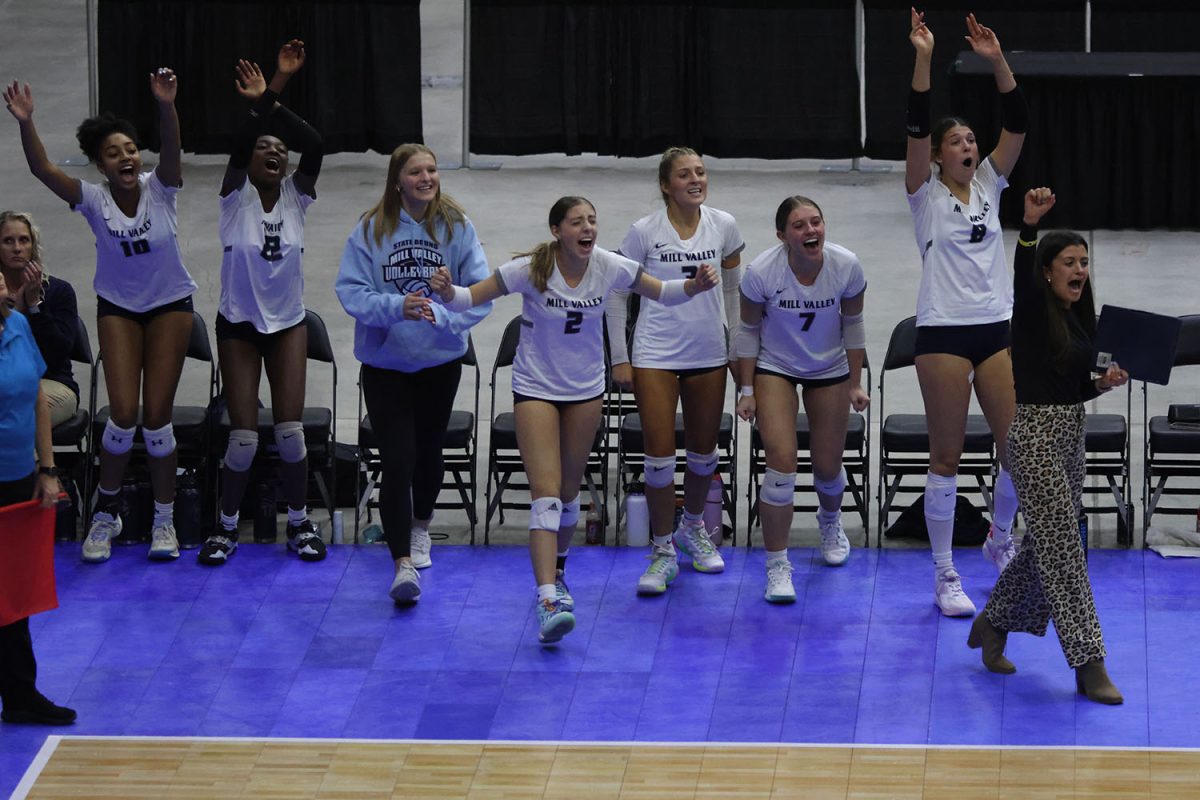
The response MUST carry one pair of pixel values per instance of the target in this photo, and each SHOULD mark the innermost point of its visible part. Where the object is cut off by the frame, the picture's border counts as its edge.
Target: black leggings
(18, 669)
(409, 414)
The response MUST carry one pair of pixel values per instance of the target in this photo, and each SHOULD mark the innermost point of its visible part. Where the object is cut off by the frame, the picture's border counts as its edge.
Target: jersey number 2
(135, 248)
(574, 322)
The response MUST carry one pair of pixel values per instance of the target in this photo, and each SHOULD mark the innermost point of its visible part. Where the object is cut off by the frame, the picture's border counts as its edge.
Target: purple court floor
(270, 646)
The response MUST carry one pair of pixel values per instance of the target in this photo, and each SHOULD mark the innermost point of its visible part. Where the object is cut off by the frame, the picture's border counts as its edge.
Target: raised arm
(1014, 114)
(917, 155)
(298, 133)
(19, 101)
(164, 87)
(251, 85)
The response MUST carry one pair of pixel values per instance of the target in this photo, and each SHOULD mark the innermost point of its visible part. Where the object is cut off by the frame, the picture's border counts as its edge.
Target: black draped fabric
(759, 78)
(1147, 26)
(360, 87)
(1115, 135)
(1019, 25)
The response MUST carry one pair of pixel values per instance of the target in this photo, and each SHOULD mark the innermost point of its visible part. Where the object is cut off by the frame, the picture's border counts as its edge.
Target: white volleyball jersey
(138, 263)
(964, 274)
(262, 280)
(691, 335)
(561, 353)
(801, 330)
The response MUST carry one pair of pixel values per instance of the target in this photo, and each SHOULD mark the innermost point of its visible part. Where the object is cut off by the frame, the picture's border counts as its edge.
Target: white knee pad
(289, 439)
(833, 487)
(117, 440)
(778, 488)
(941, 495)
(239, 453)
(570, 513)
(545, 514)
(702, 463)
(659, 471)
(160, 442)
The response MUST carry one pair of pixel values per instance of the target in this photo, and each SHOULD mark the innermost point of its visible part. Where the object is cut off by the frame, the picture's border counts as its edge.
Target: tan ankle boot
(984, 634)
(1092, 680)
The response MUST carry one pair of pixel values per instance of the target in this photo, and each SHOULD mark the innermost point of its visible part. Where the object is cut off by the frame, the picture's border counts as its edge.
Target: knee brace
(941, 495)
(289, 439)
(160, 442)
(832, 487)
(239, 453)
(570, 513)
(659, 471)
(545, 514)
(778, 488)
(702, 463)
(117, 440)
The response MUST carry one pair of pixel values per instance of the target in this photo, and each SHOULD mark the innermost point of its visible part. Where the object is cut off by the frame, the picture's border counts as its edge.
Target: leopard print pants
(1048, 579)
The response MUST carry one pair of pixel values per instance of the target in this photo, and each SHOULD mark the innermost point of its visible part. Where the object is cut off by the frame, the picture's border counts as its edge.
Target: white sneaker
(999, 552)
(664, 568)
(406, 588)
(419, 548)
(779, 582)
(163, 544)
(694, 540)
(835, 547)
(97, 547)
(949, 596)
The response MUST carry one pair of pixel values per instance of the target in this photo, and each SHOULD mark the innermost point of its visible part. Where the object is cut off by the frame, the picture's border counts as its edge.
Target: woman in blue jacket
(411, 350)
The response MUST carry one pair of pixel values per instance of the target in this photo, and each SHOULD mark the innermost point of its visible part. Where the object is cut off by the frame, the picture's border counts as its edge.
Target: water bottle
(339, 531)
(637, 517)
(713, 506)
(64, 517)
(265, 527)
(187, 511)
(137, 511)
(594, 533)
(1083, 531)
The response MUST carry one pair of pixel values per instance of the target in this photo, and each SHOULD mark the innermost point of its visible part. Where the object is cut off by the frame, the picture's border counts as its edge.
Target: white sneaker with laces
(97, 547)
(694, 540)
(779, 582)
(163, 544)
(406, 587)
(950, 597)
(999, 552)
(419, 548)
(835, 547)
(664, 568)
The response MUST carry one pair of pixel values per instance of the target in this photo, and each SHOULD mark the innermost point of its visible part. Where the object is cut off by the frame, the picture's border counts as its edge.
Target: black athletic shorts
(106, 309)
(975, 343)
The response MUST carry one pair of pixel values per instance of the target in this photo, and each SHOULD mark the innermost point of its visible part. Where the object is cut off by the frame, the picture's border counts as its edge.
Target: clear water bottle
(637, 518)
(713, 506)
(594, 533)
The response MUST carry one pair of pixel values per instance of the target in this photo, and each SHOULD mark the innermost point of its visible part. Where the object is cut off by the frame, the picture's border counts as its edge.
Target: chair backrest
(199, 346)
(81, 348)
(508, 343)
(902, 347)
(1188, 351)
(469, 358)
(319, 348)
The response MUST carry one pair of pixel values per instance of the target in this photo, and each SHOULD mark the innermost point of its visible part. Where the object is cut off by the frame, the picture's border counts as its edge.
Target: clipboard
(1142, 343)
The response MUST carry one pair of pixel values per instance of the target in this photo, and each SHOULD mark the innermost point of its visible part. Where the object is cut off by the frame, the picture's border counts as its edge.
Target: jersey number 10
(135, 248)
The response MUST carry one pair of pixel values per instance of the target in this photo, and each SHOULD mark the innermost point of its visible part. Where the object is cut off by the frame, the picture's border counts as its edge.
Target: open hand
(919, 33)
(163, 85)
(982, 39)
(291, 57)
(250, 82)
(19, 101)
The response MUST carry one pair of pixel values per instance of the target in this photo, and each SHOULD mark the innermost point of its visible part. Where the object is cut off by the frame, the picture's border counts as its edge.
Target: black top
(54, 330)
(1040, 377)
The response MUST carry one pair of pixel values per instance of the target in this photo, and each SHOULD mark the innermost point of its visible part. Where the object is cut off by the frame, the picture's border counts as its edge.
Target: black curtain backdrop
(759, 78)
(1019, 25)
(1148, 26)
(1119, 151)
(360, 87)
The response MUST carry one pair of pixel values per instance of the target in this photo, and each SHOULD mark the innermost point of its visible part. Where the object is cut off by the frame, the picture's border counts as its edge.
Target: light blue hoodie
(372, 282)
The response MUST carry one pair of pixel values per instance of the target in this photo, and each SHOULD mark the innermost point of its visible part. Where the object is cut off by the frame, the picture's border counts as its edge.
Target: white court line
(36, 767)
(579, 743)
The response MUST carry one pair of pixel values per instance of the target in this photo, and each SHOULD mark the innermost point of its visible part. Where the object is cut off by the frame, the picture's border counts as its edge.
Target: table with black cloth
(1115, 135)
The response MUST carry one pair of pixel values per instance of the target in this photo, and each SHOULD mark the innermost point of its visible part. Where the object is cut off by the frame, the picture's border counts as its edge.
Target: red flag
(27, 561)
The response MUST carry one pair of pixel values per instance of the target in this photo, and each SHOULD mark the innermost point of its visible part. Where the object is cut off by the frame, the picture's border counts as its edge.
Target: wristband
(747, 391)
(1014, 111)
(917, 121)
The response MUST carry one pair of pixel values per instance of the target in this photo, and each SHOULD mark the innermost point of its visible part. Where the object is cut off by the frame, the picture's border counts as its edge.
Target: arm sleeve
(730, 281)
(616, 312)
(245, 138)
(469, 268)
(357, 292)
(1025, 269)
(303, 137)
(54, 327)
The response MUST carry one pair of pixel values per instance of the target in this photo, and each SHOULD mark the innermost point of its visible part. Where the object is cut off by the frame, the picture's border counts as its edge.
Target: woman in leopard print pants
(1053, 326)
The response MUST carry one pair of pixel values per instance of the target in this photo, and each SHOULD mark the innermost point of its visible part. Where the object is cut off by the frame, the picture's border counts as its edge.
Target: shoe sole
(215, 562)
(563, 624)
(707, 570)
(646, 589)
(832, 563)
(428, 562)
(163, 556)
(96, 559)
(405, 594)
(28, 718)
(780, 599)
(956, 614)
(306, 556)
